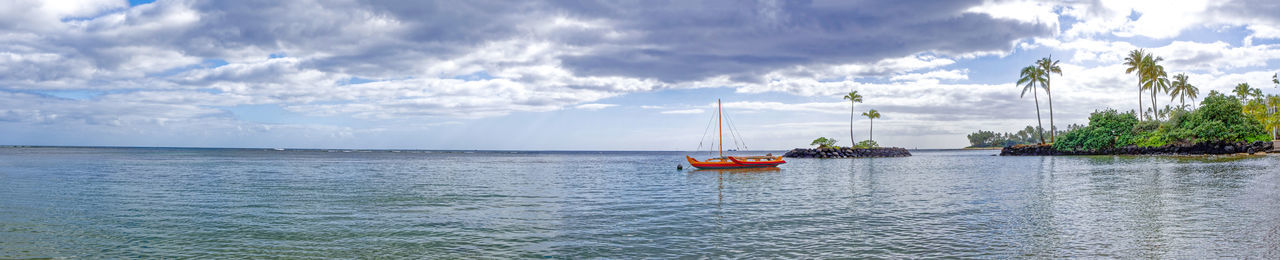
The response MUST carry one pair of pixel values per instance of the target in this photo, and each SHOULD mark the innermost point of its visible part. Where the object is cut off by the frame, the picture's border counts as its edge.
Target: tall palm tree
(1134, 63)
(1273, 102)
(1049, 66)
(872, 115)
(1031, 76)
(1181, 89)
(1242, 91)
(1155, 79)
(853, 98)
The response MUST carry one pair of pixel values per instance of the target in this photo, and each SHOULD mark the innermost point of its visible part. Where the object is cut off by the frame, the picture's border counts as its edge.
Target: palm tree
(1031, 75)
(1155, 79)
(1242, 91)
(1134, 63)
(853, 98)
(1181, 89)
(1049, 66)
(872, 115)
(1273, 120)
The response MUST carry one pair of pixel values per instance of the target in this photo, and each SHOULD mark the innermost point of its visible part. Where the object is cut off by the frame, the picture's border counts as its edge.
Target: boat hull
(733, 163)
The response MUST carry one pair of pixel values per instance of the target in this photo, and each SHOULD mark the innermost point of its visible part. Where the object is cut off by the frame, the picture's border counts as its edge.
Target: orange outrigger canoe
(733, 162)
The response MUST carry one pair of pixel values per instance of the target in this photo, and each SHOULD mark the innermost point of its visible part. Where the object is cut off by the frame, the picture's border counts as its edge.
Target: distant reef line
(847, 152)
(1202, 148)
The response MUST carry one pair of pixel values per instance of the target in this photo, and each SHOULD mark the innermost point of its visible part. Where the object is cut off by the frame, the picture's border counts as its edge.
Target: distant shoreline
(982, 148)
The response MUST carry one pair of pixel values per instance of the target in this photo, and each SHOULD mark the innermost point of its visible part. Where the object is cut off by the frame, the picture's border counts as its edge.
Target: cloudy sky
(584, 75)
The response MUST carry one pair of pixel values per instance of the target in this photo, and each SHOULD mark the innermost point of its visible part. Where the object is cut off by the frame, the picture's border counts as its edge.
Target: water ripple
(226, 203)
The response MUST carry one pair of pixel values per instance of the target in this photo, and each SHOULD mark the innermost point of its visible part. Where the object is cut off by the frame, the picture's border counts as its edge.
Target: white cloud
(934, 75)
(150, 65)
(594, 106)
(684, 111)
(1215, 57)
(1024, 11)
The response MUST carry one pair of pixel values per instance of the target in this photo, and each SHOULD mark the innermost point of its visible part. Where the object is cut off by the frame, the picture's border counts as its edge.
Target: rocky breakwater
(847, 152)
(1173, 149)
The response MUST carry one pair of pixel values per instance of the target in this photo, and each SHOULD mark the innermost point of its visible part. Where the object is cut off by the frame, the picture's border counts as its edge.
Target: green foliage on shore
(866, 144)
(1106, 129)
(1219, 118)
(1027, 135)
(823, 142)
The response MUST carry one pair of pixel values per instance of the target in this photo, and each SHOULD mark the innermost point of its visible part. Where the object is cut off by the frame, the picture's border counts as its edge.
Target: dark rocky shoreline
(847, 152)
(1206, 148)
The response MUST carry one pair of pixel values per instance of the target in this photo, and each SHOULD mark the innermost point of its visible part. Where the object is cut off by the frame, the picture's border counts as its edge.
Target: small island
(864, 149)
(826, 147)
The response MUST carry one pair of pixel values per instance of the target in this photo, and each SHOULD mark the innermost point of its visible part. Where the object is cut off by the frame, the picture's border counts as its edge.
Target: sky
(587, 75)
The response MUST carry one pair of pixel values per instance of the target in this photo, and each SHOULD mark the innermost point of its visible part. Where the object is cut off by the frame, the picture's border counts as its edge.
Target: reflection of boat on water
(732, 162)
(738, 170)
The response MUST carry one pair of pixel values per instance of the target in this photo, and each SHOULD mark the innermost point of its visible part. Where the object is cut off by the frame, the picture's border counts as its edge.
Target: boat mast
(720, 127)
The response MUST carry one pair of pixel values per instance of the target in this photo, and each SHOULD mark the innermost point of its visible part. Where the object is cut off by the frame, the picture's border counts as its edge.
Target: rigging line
(733, 133)
(733, 130)
(728, 124)
(741, 138)
(704, 134)
(711, 149)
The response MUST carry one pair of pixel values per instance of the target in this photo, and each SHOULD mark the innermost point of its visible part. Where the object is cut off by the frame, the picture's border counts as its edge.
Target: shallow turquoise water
(233, 203)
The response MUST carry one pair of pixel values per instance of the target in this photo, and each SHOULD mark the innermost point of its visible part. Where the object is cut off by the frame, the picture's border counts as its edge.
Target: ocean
(67, 202)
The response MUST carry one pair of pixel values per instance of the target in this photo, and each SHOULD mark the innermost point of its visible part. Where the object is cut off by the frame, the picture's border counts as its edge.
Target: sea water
(254, 203)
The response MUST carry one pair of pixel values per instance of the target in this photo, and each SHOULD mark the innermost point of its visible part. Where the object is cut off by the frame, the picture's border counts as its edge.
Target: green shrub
(823, 142)
(1106, 129)
(866, 144)
(1151, 139)
(1219, 118)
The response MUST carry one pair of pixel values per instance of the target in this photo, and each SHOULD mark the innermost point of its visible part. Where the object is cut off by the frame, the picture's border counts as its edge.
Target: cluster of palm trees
(1040, 74)
(1260, 107)
(853, 97)
(1153, 77)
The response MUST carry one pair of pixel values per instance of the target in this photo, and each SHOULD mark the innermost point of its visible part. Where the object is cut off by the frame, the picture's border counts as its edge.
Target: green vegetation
(1048, 66)
(823, 142)
(872, 115)
(1245, 116)
(1151, 76)
(1106, 129)
(1156, 80)
(1219, 118)
(1180, 89)
(866, 144)
(853, 98)
(983, 139)
(1029, 78)
(1263, 109)
(1133, 63)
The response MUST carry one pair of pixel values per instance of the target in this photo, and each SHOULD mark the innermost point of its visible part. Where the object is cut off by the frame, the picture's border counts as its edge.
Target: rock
(847, 153)
(1185, 149)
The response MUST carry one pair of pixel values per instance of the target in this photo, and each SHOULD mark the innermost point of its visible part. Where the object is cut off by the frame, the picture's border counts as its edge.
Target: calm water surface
(219, 203)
